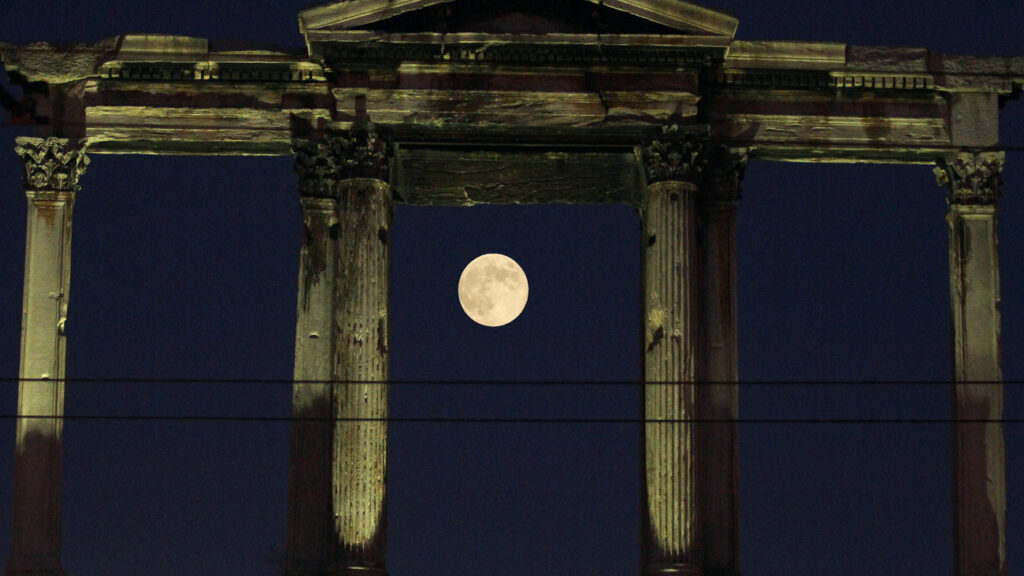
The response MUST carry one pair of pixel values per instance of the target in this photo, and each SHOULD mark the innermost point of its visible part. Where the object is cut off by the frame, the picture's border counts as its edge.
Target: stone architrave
(53, 167)
(670, 523)
(979, 477)
(310, 521)
(718, 371)
(360, 396)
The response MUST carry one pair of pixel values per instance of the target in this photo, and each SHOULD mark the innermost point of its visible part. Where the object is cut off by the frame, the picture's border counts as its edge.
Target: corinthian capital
(361, 154)
(356, 153)
(674, 155)
(723, 172)
(52, 165)
(316, 166)
(973, 178)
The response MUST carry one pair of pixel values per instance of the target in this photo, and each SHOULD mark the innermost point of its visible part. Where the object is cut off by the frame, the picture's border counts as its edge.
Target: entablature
(816, 65)
(149, 57)
(154, 57)
(783, 100)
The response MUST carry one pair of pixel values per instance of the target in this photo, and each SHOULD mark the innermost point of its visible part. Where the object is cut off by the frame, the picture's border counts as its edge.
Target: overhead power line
(509, 420)
(511, 383)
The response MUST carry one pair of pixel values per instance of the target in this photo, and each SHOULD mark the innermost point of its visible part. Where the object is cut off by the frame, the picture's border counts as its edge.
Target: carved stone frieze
(339, 156)
(724, 167)
(342, 54)
(273, 72)
(675, 155)
(51, 164)
(973, 178)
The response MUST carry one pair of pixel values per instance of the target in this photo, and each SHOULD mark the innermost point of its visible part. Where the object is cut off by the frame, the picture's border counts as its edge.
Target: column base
(358, 571)
(15, 571)
(673, 570)
(344, 571)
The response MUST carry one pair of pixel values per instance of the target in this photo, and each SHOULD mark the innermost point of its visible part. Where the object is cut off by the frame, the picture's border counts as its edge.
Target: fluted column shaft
(361, 368)
(340, 397)
(718, 395)
(359, 360)
(310, 524)
(670, 528)
(52, 169)
(979, 477)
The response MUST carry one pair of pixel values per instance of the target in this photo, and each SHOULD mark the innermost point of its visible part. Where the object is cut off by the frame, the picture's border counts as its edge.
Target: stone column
(310, 523)
(979, 479)
(361, 353)
(718, 371)
(52, 169)
(340, 397)
(670, 527)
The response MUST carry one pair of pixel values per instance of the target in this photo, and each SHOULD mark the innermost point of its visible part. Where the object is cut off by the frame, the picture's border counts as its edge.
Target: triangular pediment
(521, 17)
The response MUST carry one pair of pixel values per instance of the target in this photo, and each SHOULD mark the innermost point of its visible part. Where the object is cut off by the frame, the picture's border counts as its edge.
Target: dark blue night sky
(186, 267)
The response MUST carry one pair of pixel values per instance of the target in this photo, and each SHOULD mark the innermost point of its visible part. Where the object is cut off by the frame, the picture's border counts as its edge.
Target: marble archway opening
(486, 497)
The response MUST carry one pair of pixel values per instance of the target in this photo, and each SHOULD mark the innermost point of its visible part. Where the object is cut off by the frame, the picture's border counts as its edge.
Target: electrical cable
(511, 383)
(505, 420)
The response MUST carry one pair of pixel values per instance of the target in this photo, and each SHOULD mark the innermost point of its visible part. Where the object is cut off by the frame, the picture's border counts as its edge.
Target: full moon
(493, 290)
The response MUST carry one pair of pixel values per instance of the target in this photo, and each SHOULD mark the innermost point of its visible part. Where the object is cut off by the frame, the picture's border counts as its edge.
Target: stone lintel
(464, 177)
(491, 108)
(831, 138)
(182, 130)
(847, 154)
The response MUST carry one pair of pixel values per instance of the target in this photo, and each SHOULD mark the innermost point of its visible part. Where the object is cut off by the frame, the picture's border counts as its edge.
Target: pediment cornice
(679, 15)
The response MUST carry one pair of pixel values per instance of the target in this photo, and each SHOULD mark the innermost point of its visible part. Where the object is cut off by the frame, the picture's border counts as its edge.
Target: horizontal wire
(500, 420)
(597, 383)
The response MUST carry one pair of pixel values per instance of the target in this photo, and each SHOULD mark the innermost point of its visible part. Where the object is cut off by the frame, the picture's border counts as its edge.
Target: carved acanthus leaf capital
(337, 156)
(675, 155)
(51, 164)
(316, 166)
(973, 178)
(724, 167)
(360, 154)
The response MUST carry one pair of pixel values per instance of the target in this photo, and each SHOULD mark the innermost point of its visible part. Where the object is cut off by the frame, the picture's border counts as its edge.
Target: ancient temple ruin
(651, 103)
